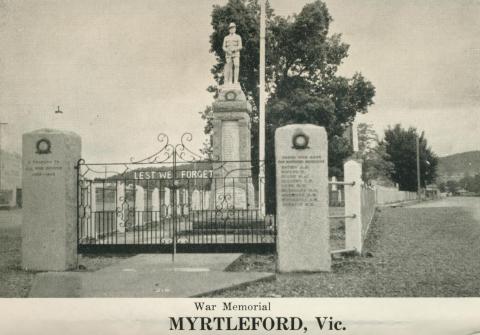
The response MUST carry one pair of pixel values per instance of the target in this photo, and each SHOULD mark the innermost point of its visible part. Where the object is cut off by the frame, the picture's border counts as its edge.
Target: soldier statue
(232, 44)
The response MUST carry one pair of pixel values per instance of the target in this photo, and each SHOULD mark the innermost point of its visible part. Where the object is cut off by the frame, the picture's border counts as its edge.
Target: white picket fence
(388, 195)
(361, 201)
(369, 205)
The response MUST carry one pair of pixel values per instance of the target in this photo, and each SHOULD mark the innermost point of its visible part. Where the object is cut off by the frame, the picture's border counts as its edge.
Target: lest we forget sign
(168, 174)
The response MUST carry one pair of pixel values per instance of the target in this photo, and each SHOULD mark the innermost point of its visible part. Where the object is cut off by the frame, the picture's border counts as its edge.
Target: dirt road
(472, 204)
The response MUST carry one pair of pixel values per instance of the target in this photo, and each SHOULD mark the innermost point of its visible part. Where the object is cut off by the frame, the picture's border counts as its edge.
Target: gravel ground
(414, 252)
(94, 263)
(432, 251)
(15, 282)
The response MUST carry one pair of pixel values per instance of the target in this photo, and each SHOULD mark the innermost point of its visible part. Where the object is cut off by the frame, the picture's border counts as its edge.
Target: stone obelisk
(231, 146)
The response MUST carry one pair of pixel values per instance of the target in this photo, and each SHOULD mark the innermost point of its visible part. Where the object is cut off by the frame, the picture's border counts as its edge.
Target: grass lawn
(414, 252)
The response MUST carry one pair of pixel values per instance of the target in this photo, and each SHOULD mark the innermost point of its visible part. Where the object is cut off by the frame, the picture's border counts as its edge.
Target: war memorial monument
(175, 200)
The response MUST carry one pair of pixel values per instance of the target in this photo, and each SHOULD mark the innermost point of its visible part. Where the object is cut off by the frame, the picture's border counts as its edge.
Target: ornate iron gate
(172, 201)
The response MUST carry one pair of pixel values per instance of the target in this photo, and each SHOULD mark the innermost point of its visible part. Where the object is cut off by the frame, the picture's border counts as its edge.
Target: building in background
(10, 180)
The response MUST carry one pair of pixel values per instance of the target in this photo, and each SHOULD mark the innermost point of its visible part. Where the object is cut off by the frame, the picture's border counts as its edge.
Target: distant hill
(454, 167)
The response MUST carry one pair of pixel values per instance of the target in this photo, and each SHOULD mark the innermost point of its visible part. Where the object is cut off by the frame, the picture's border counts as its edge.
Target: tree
(442, 186)
(305, 87)
(302, 61)
(376, 164)
(452, 186)
(401, 148)
(475, 184)
(471, 184)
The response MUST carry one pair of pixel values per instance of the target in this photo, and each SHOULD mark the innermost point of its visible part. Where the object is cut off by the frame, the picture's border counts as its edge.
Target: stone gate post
(353, 204)
(303, 230)
(49, 177)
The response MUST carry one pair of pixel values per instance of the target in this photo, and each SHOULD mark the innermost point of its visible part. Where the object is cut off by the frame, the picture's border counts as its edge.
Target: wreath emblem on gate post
(43, 146)
(300, 140)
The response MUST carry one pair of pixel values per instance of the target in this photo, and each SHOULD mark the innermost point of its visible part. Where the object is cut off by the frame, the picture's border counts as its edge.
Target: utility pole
(1, 170)
(261, 111)
(418, 168)
(355, 136)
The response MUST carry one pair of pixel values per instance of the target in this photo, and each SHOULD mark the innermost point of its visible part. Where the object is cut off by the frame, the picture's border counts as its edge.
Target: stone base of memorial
(49, 229)
(235, 193)
(231, 130)
(232, 182)
(233, 204)
(234, 221)
(232, 208)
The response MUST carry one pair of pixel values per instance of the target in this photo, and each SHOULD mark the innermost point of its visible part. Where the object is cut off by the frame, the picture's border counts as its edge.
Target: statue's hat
(232, 25)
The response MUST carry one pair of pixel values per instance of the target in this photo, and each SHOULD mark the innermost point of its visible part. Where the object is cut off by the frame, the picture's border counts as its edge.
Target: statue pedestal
(232, 184)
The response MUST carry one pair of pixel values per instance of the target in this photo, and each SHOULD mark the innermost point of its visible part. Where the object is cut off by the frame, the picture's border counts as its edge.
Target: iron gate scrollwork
(171, 201)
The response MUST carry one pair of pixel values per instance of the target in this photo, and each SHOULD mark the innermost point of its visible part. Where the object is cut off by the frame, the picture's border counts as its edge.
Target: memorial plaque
(303, 233)
(230, 141)
(230, 149)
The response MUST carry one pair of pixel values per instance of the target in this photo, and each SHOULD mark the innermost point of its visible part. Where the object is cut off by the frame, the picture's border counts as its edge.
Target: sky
(124, 71)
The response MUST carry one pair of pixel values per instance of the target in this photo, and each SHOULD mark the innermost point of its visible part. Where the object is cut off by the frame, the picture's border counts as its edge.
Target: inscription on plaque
(298, 187)
(230, 141)
(43, 167)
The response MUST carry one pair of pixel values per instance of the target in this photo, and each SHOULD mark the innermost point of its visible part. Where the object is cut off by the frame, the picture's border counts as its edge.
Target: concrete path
(152, 275)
